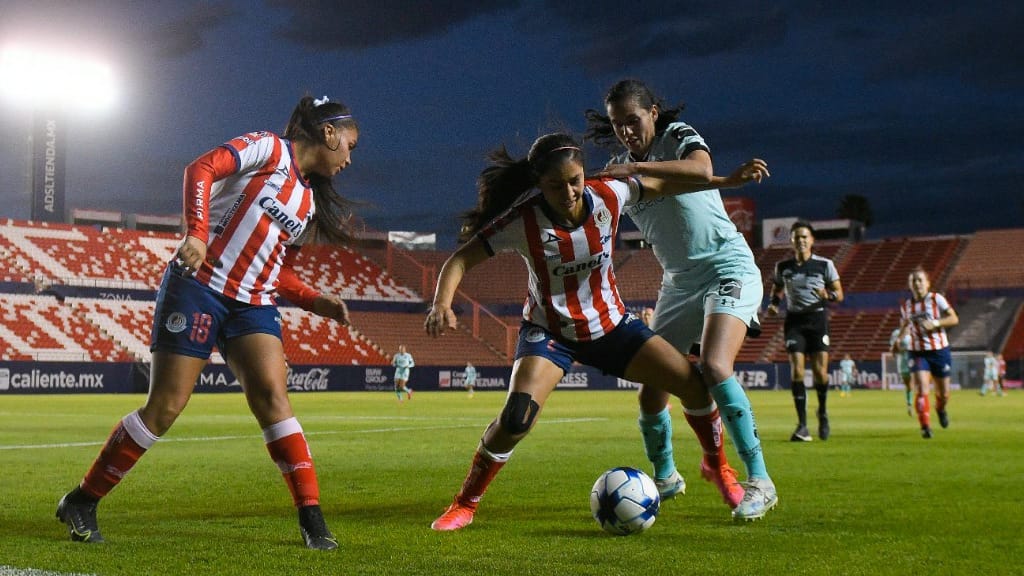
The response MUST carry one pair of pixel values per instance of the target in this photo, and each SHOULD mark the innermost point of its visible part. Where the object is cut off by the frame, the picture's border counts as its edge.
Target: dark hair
(801, 224)
(505, 181)
(599, 126)
(330, 222)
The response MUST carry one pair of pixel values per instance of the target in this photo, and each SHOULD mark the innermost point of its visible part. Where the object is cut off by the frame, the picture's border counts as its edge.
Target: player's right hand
(439, 319)
(191, 254)
(772, 311)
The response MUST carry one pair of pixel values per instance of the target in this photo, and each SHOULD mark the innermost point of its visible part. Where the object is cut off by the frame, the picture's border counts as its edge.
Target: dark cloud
(934, 141)
(605, 35)
(981, 46)
(185, 34)
(328, 24)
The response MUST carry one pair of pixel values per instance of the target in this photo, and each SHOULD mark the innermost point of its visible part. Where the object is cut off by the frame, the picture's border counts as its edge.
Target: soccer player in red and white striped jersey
(925, 316)
(249, 205)
(573, 312)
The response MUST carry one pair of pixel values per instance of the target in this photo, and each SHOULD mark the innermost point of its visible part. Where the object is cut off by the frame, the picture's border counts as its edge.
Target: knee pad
(519, 412)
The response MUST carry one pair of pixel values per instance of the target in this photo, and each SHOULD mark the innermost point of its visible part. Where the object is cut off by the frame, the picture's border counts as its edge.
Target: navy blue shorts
(190, 318)
(610, 353)
(938, 362)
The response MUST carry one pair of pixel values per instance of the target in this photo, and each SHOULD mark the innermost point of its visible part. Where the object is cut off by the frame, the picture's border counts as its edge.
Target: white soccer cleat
(669, 487)
(758, 499)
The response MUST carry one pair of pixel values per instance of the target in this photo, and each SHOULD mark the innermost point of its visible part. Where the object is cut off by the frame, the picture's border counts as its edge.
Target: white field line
(12, 571)
(475, 424)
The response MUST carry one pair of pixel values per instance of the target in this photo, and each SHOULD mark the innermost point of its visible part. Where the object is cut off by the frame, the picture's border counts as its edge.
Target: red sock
(484, 468)
(127, 442)
(289, 450)
(923, 408)
(708, 428)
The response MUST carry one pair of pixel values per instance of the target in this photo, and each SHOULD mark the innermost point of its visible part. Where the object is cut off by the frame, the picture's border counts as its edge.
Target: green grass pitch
(874, 499)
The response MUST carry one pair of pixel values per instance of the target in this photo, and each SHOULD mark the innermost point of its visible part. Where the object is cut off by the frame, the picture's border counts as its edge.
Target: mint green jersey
(708, 267)
(690, 233)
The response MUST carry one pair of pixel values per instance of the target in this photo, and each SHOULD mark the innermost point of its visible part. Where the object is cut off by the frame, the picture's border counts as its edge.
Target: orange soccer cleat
(724, 477)
(455, 517)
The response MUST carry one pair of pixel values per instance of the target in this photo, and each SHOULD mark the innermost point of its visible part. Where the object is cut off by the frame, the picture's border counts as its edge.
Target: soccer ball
(624, 501)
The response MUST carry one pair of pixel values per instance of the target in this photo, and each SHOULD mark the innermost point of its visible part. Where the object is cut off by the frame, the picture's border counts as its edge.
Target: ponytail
(507, 181)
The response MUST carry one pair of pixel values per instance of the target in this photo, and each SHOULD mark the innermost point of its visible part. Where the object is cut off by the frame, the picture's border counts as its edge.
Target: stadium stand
(126, 322)
(39, 327)
(42, 324)
(883, 266)
(638, 275)
(992, 259)
(389, 330)
(342, 271)
(311, 339)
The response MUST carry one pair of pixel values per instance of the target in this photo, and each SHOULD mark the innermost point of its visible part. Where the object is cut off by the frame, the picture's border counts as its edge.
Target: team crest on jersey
(534, 335)
(824, 340)
(176, 322)
(603, 216)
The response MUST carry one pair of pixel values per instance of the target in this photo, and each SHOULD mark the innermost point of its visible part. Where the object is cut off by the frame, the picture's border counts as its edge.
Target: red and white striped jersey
(250, 204)
(572, 289)
(931, 307)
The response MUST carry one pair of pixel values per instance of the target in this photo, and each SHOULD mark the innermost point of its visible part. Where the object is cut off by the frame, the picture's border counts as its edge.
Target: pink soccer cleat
(724, 477)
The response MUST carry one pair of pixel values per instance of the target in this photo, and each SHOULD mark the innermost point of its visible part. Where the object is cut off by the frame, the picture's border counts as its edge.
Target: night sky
(917, 106)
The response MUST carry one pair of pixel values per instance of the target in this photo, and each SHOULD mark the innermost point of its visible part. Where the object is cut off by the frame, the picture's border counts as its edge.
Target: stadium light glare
(50, 80)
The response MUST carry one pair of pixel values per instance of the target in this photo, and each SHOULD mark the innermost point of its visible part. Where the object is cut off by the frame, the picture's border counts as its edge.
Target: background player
(403, 363)
(711, 287)
(926, 315)
(808, 282)
(991, 378)
(847, 373)
(573, 312)
(470, 378)
(249, 205)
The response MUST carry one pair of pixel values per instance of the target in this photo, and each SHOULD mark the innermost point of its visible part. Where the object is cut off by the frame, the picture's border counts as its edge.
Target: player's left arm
(834, 293)
(947, 320)
(305, 296)
(754, 170)
(441, 317)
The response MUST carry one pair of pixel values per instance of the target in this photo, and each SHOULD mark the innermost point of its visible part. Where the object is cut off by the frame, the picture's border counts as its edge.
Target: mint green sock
(738, 417)
(656, 430)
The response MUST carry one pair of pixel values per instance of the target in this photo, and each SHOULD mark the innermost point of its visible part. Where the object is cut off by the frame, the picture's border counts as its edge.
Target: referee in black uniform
(808, 282)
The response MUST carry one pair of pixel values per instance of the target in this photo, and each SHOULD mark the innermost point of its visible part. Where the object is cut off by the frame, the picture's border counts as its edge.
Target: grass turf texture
(875, 499)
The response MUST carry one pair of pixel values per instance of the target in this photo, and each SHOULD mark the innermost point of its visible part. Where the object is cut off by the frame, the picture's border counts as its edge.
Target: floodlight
(51, 80)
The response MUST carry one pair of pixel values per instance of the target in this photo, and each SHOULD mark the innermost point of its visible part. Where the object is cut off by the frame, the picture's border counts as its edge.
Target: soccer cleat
(314, 529)
(758, 499)
(455, 517)
(910, 410)
(408, 391)
(724, 478)
(926, 432)
(669, 488)
(78, 511)
(943, 418)
(801, 434)
(824, 430)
